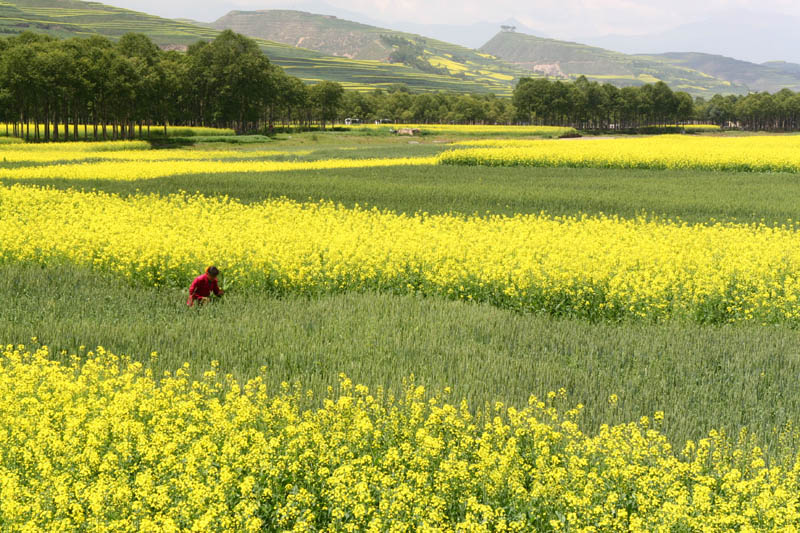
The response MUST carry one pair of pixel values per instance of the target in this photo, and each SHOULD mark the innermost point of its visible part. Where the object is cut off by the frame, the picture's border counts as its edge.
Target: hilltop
(74, 18)
(343, 38)
(324, 33)
(568, 60)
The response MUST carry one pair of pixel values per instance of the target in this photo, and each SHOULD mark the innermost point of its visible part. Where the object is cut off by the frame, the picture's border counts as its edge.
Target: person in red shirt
(203, 286)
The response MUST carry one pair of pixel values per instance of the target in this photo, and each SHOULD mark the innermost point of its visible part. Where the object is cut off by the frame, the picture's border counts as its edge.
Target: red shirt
(202, 287)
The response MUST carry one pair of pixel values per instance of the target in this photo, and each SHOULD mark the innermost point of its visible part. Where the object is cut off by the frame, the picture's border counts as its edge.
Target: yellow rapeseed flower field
(596, 267)
(150, 167)
(101, 444)
(775, 153)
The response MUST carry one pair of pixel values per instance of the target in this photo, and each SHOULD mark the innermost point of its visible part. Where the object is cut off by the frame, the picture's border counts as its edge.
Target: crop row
(153, 168)
(594, 267)
(746, 154)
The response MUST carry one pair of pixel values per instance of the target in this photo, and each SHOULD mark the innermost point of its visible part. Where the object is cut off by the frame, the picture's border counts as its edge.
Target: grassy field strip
(775, 153)
(594, 267)
(688, 195)
(476, 129)
(701, 377)
(142, 170)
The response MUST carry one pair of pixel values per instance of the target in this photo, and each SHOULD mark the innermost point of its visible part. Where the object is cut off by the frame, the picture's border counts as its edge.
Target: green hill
(74, 18)
(569, 60)
(784, 67)
(327, 34)
(770, 77)
(342, 38)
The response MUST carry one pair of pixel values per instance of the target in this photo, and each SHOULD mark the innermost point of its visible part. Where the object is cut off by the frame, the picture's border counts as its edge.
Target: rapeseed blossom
(148, 166)
(99, 443)
(769, 153)
(597, 267)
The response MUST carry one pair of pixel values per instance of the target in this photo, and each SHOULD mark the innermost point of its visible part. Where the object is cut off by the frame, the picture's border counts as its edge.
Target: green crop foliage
(701, 377)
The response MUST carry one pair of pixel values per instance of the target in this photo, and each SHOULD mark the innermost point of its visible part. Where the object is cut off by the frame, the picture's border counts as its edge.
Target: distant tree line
(755, 112)
(398, 104)
(582, 104)
(594, 106)
(111, 90)
(588, 105)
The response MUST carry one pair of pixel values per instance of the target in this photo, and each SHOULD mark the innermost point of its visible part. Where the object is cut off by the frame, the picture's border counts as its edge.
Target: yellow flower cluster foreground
(102, 445)
(593, 267)
(776, 153)
(152, 168)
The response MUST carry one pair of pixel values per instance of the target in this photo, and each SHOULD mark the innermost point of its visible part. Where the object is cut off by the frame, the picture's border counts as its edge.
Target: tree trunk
(56, 133)
(47, 123)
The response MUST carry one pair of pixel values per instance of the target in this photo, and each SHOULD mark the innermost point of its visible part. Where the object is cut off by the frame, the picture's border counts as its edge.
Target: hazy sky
(557, 18)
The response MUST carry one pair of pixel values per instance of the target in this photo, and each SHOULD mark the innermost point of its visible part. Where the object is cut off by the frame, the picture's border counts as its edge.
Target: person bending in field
(203, 285)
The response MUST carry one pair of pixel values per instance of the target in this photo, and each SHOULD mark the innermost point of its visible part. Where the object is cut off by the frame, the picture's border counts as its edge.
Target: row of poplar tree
(591, 105)
(116, 89)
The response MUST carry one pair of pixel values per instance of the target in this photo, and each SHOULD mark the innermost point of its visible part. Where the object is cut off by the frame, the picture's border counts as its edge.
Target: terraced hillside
(770, 77)
(327, 34)
(343, 38)
(71, 18)
(569, 60)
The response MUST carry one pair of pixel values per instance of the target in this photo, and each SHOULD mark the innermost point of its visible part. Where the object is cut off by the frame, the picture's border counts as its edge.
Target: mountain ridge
(745, 34)
(336, 36)
(756, 77)
(574, 59)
